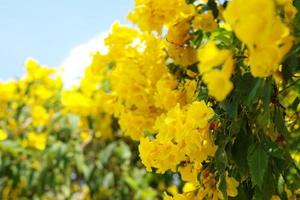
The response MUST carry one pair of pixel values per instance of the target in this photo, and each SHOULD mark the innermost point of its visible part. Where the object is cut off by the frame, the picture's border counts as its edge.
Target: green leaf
(267, 89)
(202, 93)
(107, 152)
(273, 149)
(231, 105)
(254, 92)
(10, 147)
(197, 39)
(291, 62)
(280, 123)
(239, 152)
(243, 193)
(223, 38)
(258, 195)
(222, 186)
(295, 103)
(258, 163)
(108, 180)
(244, 86)
(297, 19)
(81, 166)
(221, 159)
(269, 186)
(297, 4)
(297, 86)
(131, 182)
(123, 151)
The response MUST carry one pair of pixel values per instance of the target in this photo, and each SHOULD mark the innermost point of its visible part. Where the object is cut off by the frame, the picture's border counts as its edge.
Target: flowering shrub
(54, 146)
(203, 85)
(209, 89)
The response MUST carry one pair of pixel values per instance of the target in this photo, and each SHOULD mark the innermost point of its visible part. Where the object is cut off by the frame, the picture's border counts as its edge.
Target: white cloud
(79, 58)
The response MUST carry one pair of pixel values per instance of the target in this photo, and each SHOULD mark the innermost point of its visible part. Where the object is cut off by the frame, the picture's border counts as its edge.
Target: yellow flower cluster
(77, 103)
(157, 104)
(152, 79)
(187, 127)
(147, 81)
(36, 140)
(176, 38)
(32, 107)
(267, 37)
(129, 86)
(208, 189)
(89, 108)
(205, 21)
(152, 105)
(153, 15)
(39, 115)
(217, 80)
(89, 102)
(27, 105)
(3, 135)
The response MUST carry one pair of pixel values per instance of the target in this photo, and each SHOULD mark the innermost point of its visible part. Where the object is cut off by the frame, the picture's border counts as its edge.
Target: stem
(292, 84)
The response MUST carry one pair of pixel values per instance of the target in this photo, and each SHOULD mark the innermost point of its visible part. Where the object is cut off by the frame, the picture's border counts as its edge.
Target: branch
(292, 84)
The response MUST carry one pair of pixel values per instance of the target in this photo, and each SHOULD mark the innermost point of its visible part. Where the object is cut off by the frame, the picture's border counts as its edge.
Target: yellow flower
(176, 39)
(182, 55)
(152, 15)
(198, 145)
(219, 85)
(177, 196)
(120, 37)
(188, 187)
(211, 56)
(7, 91)
(76, 103)
(190, 91)
(3, 135)
(275, 197)
(266, 49)
(188, 128)
(247, 18)
(199, 114)
(189, 173)
(205, 21)
(39, 115)
(163, 155)
(289, 9)
(35, 71)
(231, 186)
(42, 92)
(36, 140)
(84, 136)
(171, 125)
(208, 188)
(134, 124)
(282, 2)
(172, 189)
(167, 96)
(296, 157)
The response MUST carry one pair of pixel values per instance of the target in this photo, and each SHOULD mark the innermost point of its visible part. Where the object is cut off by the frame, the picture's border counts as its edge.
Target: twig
(292, 84)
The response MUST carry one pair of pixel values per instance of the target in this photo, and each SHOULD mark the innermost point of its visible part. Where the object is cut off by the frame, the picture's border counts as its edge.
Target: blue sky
(48, 30)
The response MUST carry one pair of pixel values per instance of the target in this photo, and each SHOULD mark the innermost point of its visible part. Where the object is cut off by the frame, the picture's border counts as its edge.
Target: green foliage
(258, 163)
